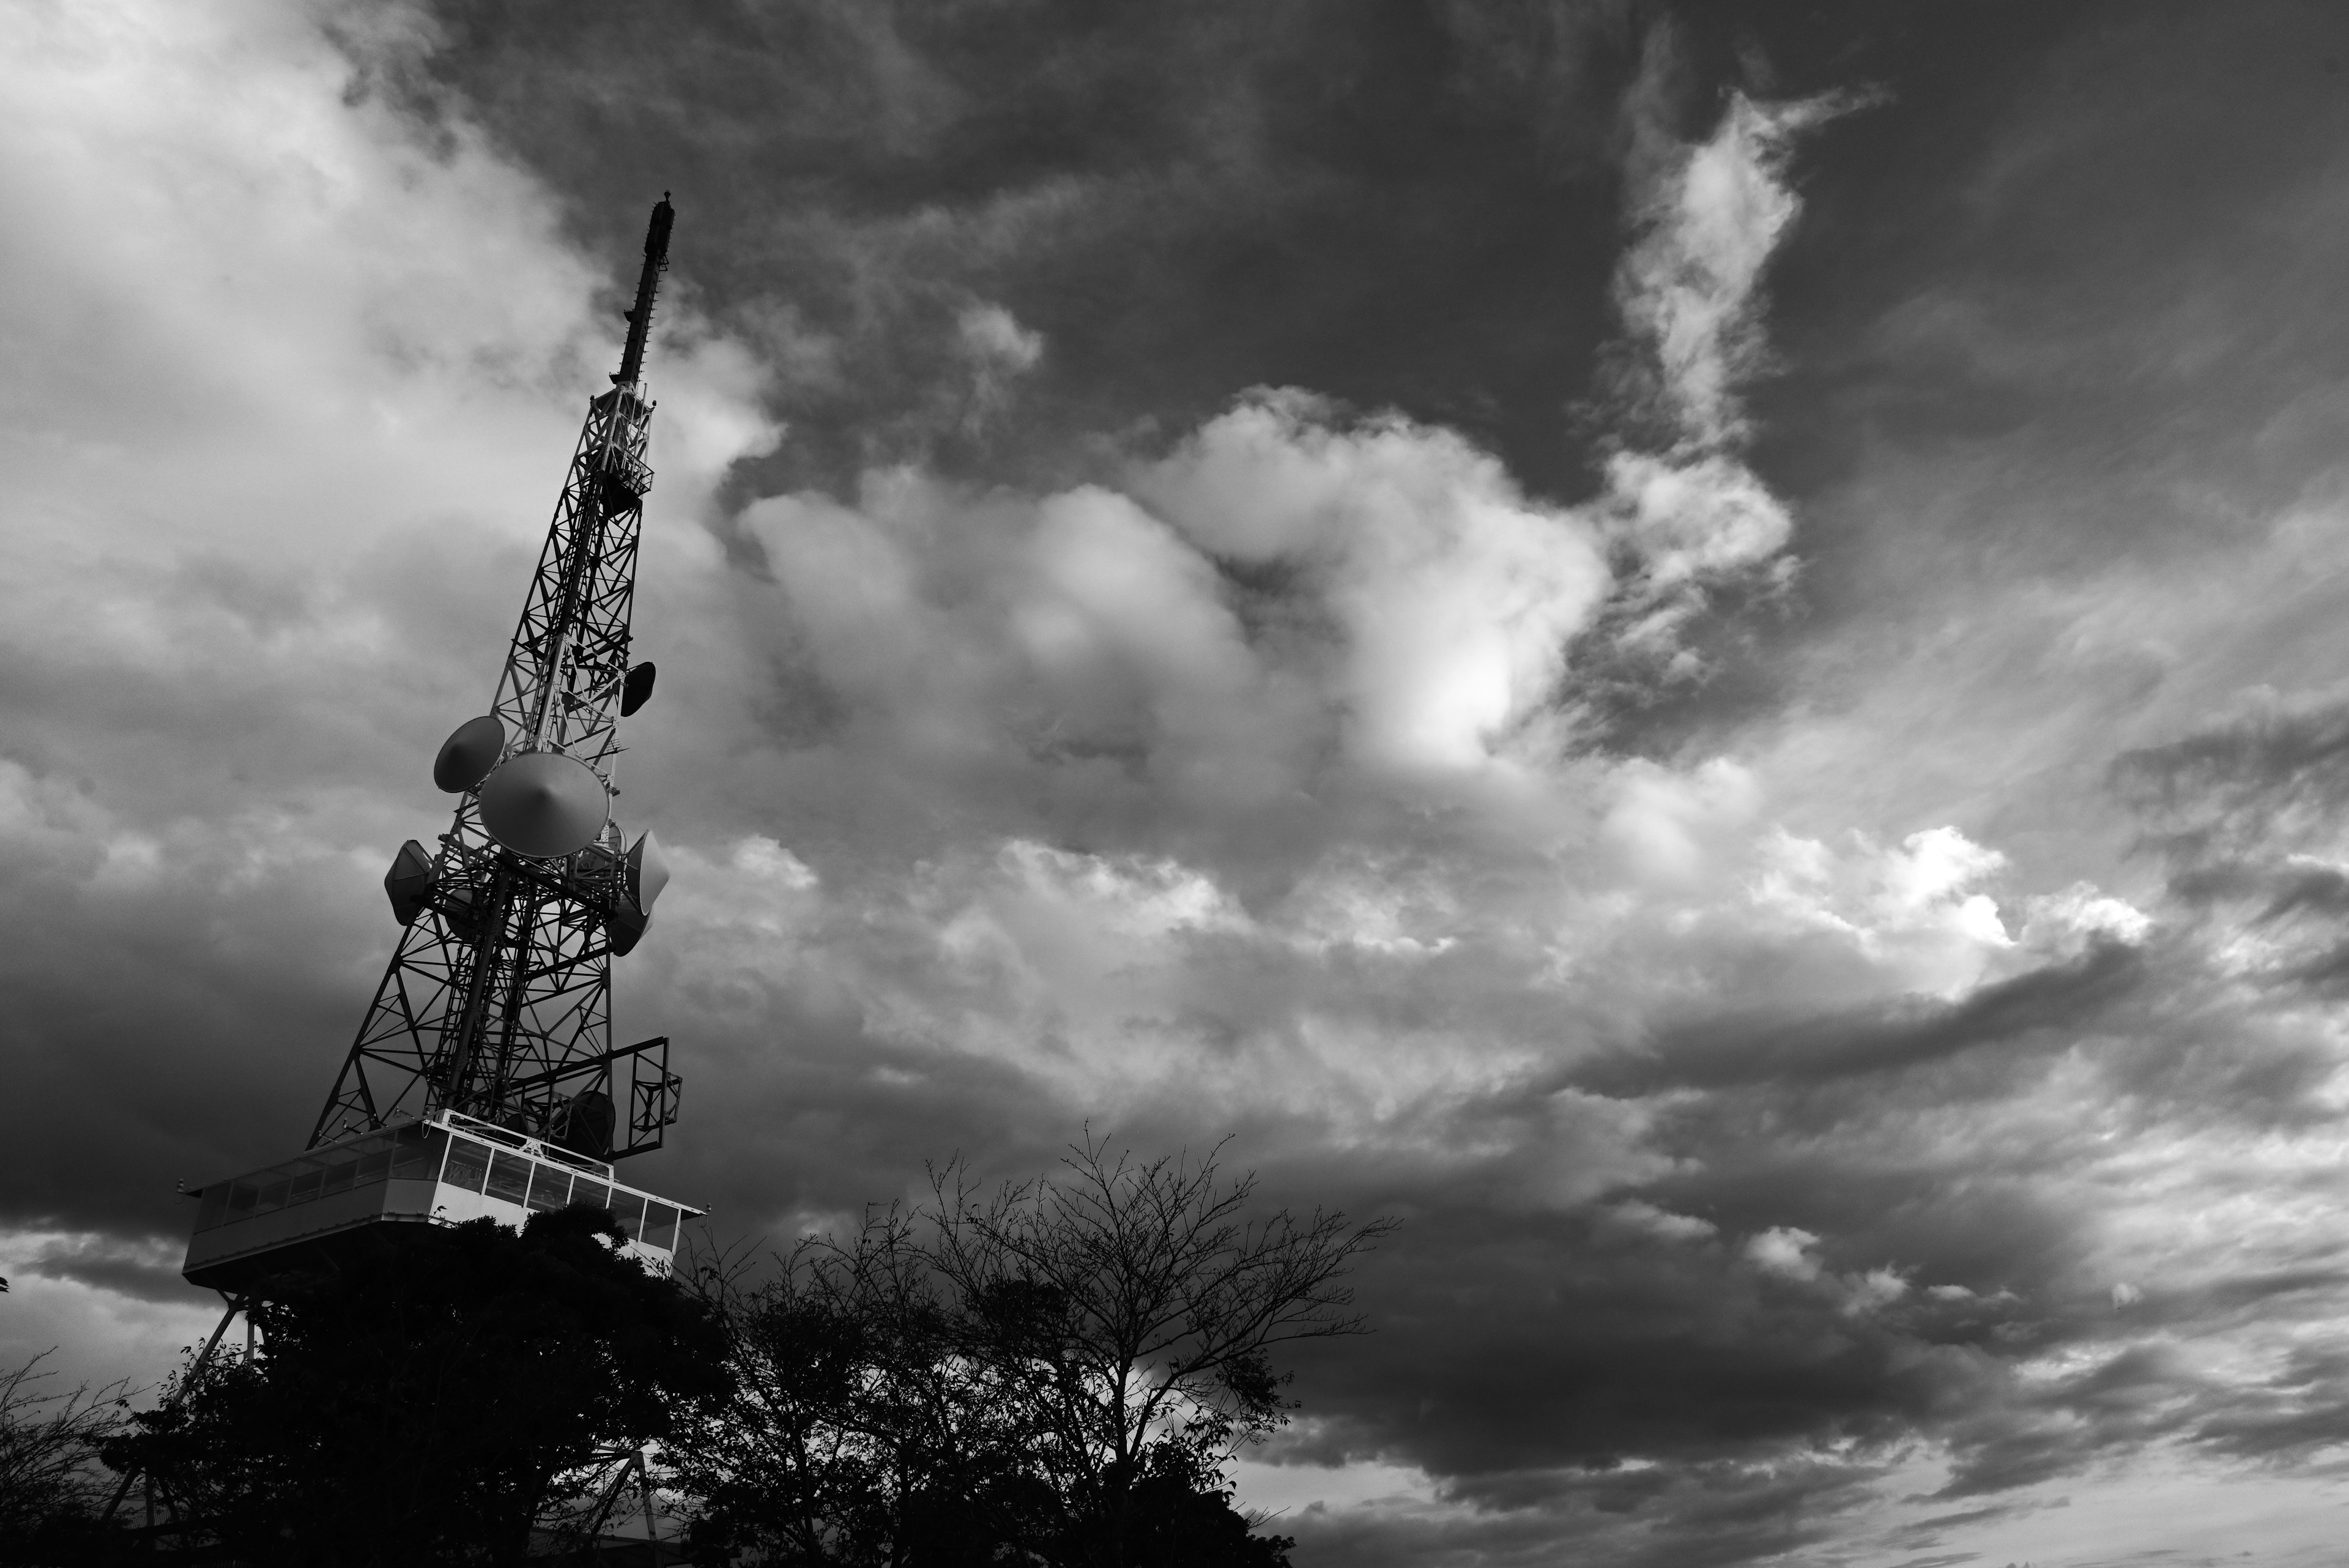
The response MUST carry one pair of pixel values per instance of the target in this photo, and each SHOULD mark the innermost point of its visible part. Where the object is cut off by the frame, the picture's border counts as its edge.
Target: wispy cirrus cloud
(1682, 505)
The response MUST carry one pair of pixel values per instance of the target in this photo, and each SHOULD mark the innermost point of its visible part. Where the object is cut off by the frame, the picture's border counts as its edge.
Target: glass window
(589, 1193)
(242, 1196)
(415, 1152)
(273, 1195)
(509, 1176)
(214, 1207)
(550, 1187)
(660, 1227)
(305, 1185)
(339, 1176)
(374, 1166)
(469, 1164)
(628, 1208)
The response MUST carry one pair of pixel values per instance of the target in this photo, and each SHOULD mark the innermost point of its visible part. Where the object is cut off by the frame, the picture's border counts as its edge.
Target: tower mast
(497, 1001)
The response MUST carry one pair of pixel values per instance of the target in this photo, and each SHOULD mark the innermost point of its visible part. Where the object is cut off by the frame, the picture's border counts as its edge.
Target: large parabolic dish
(545, 804)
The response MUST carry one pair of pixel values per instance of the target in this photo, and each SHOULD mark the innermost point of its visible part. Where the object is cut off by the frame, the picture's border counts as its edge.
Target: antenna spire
(640, 319)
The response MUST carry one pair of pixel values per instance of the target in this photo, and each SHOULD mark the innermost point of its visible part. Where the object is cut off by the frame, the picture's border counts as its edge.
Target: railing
(476, 1156)
(624, 469)
(537, 1149)
(511, 1176)
(621, 458)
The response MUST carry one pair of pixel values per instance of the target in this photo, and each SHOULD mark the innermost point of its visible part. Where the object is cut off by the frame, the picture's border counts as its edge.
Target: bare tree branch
(49, 1471)
(1063, 1366)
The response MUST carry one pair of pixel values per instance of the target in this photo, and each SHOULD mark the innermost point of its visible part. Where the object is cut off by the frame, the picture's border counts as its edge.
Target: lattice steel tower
(497, 1003)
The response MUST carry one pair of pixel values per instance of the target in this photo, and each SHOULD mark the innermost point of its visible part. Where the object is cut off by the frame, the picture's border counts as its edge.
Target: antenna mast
(498, 1000)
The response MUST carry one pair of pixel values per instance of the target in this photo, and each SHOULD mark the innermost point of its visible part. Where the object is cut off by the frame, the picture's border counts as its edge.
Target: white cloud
(1435, 600)
(1872, 1289)
(994, 336)
(1677, 827)
(1915, 907)
(294, 382)
(1689, 286)
(1784, 1249)
(2063, 922)
(1707, 219)
(1641, 1215)
(287, 349)
(1693, 520)
(999, 351)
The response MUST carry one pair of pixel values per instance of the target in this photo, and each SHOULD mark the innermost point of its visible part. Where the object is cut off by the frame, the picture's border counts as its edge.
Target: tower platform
(301, 1217)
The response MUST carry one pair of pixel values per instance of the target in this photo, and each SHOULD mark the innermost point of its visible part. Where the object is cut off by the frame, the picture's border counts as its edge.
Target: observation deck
(298, 1216)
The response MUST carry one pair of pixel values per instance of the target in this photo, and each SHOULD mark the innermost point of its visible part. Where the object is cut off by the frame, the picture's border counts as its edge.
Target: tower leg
(235, 1305)
(644, 1480)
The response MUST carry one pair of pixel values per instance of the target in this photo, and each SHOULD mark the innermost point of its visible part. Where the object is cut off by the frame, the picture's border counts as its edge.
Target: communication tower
(483, 1080)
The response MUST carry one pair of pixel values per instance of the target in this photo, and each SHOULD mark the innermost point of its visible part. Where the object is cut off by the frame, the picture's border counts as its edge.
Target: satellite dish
(625, 929)
(545, 804)
(583, 1124)
(642, 877)
(647, 874)
(409, 882)
(467, 756)
(638, 689)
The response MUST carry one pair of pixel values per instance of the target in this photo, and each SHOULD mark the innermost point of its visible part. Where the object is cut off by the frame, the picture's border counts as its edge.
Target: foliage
(849, 1430)
(431, 1401)
(1059, 1371)
(52, 1487)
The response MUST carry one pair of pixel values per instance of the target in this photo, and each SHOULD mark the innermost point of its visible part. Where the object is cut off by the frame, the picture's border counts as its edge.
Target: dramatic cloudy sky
(1704, 650)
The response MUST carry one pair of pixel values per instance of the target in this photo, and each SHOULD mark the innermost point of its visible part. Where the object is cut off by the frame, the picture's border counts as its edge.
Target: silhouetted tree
(51, 1486)
(851, 1433)
(1059, 1370)
(429, 1403)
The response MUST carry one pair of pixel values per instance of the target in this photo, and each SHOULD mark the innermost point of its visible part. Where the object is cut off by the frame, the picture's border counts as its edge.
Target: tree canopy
(1062, 1369)
(1056, 1373)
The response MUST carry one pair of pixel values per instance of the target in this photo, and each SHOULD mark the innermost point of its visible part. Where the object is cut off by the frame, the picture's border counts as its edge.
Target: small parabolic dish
(409, 882)
(638, 689)
(544, 804)
(648, 873)
(467, 756)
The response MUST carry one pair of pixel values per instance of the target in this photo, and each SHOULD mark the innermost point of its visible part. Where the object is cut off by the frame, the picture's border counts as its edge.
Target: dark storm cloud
(1698, 1314)
(2304, 1410)
(1749, 1050)
(1594, 1342)
(2292, 1408)
(1599, 1335)
(1692, 1518)
(847, 1118)
(142, 1272)
(1181, 201)
(2256, 786)
(2242, 812)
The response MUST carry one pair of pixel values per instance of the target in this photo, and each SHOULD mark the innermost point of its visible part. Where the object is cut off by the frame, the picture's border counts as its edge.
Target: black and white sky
(1702, 649)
